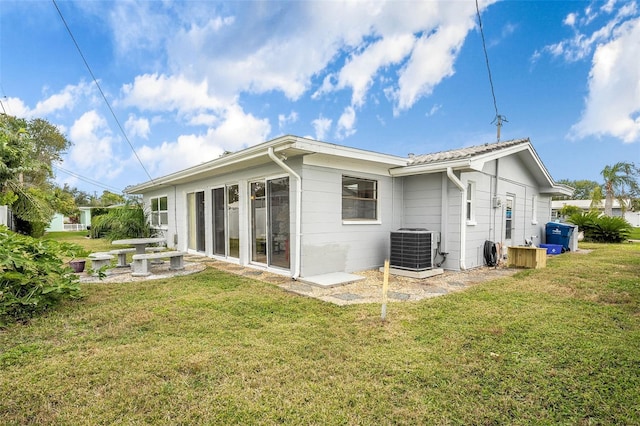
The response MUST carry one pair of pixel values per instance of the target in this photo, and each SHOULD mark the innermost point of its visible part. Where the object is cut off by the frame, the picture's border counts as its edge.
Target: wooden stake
(385, 289)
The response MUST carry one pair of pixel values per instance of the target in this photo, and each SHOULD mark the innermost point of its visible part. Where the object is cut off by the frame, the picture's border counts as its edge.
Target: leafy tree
(568, 210)
(110, 199)
(27, 151)
(620, 181)
(581, 188)
(62, 201)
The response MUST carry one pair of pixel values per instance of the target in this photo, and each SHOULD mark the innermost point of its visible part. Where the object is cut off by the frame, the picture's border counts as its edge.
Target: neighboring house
(303, 207)
(586, 205)
(61, 223)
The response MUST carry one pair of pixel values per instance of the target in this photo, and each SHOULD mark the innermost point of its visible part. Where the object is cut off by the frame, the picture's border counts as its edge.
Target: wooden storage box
(526, 257)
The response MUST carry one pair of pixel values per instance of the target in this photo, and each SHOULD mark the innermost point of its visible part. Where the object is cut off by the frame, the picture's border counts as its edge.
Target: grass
(635, 233)
(548, 346)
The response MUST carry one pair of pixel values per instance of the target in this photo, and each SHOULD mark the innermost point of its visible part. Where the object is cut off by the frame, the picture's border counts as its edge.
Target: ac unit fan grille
(411, 250)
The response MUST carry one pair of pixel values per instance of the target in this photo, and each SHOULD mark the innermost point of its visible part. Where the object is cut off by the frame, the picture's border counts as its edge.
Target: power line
(499, 119)
(88, 180)
(95, 80)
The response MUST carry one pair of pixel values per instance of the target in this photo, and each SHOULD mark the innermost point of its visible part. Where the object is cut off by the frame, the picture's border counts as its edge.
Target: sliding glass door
(226, 220)
(278, 222)
(270, 222)
(195, 221)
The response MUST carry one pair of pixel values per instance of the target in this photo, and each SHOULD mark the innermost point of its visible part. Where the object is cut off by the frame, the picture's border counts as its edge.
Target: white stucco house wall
(302, 207)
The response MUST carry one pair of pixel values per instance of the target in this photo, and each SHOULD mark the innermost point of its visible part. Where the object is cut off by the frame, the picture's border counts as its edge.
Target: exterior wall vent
(413, 249)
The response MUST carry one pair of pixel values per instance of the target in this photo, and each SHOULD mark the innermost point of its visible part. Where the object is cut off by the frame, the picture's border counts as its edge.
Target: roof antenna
(499, 119)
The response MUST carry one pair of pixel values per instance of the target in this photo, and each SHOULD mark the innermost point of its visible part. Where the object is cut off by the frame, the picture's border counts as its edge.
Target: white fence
(75, 227)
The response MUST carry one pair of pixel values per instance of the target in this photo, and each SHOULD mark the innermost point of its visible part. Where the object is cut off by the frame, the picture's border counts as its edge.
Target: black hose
(490, 253)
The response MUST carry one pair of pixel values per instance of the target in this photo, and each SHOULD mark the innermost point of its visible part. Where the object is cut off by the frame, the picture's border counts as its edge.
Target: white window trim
(159, 212)
(471, 187)
(378, 220)
(534, 210)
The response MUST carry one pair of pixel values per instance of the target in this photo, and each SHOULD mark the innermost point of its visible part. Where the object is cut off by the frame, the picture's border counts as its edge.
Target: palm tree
(620, 181)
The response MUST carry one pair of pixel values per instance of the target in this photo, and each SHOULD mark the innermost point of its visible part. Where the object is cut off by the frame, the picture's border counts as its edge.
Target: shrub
(33, 276)
(33, 229)
(611, 229)
(128, 221)
(601, 228)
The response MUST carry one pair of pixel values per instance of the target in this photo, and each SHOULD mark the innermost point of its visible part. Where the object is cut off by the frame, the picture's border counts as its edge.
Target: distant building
(60, 223)
(585, 205)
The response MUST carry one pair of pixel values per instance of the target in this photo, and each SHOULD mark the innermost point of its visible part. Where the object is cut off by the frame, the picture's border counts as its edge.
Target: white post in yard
(385, 289)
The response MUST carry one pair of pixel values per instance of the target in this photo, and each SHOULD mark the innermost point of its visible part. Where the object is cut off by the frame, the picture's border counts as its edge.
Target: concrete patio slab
(333, 279)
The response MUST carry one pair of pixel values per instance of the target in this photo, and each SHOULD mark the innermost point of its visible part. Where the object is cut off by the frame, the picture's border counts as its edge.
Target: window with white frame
(159, 211)
(359, 199)
(471, 202)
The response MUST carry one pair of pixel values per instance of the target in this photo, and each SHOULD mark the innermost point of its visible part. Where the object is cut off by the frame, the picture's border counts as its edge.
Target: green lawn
(548, 346)
(635, 233)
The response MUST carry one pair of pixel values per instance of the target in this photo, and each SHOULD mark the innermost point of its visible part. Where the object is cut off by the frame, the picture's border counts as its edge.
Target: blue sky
(190, 80)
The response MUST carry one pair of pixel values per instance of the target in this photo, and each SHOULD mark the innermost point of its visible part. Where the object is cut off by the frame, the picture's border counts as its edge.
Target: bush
(611, 229)
(33, 229)
(128, 221)
(600, 228)
(33, 276)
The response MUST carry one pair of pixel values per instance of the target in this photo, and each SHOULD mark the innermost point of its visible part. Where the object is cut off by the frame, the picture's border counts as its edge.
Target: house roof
(474, 158)
(464, 153)
(287, 146)
(469, 158)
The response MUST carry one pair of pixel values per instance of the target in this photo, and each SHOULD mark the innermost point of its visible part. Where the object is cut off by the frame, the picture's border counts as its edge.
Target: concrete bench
(140, 264)
(100, 260)
(122, 254)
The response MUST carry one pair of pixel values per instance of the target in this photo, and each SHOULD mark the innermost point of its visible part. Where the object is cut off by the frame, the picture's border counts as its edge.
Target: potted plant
(77, 262)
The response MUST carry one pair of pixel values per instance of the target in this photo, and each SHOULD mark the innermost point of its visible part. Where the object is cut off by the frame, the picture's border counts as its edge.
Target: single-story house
(60, 222)
(632, 217)
(303, 208)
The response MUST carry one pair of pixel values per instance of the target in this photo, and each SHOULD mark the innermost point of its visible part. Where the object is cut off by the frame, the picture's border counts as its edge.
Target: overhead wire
(499, 119)
(88, 180)
(95, 80)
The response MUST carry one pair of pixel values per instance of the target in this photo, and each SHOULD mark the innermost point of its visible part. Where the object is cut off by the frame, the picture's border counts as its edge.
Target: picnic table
(139, 243)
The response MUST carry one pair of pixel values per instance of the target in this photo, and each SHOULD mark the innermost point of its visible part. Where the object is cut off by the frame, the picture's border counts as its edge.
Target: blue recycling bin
(559, 233)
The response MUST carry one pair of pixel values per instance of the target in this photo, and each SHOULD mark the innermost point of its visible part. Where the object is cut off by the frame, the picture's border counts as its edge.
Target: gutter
(463, 226)
(288, 169)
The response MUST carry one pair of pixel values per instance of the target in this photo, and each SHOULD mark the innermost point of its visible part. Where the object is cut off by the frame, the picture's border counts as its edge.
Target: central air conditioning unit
(413, 249)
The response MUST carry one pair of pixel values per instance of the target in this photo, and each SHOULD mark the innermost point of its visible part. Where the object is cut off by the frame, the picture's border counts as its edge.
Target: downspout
(279, 162)
(463, 217)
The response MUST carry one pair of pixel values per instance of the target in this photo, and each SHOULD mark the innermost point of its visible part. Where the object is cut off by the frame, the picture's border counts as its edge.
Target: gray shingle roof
(462, 153)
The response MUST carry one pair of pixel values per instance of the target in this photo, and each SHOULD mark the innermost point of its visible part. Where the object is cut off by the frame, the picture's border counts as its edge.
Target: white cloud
(360, 69)
(321, 125)
(570, 20)
(92, 145)
(613, 103)
(215, 58)
(16, 107)
(237, 130)
(583, 43)
(155, 92)
(346, 123)
(284, 120)
(137, 127)
(433, 110)
(66, 99)
(432, 60)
